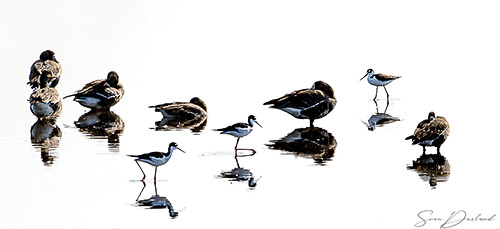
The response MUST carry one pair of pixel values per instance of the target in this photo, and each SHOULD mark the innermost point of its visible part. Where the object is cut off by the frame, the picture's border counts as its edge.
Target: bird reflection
(102, 123)
(380, 119)
(240, 174)
(432, 168)
(156, 201)
(196, 124)
(315, 142)
(46, 135)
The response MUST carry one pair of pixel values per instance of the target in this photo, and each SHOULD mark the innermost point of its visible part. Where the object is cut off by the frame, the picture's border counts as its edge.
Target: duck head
(199, 102)
(324, 87)
(48, 55)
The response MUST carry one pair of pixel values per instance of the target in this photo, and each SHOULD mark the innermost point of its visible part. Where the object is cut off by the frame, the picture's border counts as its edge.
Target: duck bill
(258, 124)
(181, 150)
(363, 77)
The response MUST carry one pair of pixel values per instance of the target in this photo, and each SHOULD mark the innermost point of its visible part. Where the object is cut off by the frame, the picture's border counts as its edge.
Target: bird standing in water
(49, 63)
(45, 101)
(182, 114)
(100, 94)
(379, 80)
(240, 130)
(432, 131)
(312, 104)
(156, 158)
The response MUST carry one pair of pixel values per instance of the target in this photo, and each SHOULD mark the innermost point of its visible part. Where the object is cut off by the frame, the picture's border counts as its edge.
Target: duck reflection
(102, 123)
(240, 174)
(196, 124)
(432, 168)
(46, 135)
(380, 119)
(315, 142)
(156, 201)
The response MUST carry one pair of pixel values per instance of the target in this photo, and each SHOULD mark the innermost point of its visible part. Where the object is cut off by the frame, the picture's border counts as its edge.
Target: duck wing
(40, 66)
(298, 99)
(91, 88)
(45, 95)
(431, 130)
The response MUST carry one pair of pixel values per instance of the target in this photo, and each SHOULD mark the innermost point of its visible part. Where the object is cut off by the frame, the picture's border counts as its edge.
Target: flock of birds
(311, 103)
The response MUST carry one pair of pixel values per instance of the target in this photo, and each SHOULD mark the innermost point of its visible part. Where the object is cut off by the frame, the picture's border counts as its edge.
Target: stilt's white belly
(240, 132)
(375, 82)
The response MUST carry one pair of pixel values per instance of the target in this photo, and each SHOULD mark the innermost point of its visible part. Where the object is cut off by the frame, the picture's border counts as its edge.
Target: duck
(47, 62)
(45, 101)
(100, 94)
(182, 113)
(313, 103)
(432, 131)
(378, 80)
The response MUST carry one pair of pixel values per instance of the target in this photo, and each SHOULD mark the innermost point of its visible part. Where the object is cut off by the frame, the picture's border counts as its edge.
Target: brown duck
(432, 131)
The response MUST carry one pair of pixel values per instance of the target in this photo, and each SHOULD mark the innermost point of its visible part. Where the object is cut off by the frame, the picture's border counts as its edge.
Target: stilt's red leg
(156, 168)
(236, 149)
(141, 171)
(387, 94)
(237, 141)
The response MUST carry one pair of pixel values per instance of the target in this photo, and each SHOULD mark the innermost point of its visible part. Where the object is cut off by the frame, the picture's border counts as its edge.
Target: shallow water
(235, 56)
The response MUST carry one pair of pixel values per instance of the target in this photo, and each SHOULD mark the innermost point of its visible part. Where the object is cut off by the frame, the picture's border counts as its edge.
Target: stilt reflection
(315, 142)
(432, 168)
(156, 201)
(240, 174)
(380, 119)
(46, 135)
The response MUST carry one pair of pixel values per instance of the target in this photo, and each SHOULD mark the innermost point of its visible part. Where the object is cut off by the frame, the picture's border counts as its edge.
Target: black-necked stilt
(182, 114)
(240, 130)
(47, 62)
(432, 131)
(379, 80)
(156, 158)
(100, 94)
(45, 101)
(312, 104)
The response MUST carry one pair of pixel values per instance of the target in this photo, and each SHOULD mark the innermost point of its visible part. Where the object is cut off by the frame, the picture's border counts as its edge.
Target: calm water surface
(235, 56)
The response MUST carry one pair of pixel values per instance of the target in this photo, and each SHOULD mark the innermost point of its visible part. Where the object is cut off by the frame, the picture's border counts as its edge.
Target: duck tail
(411, 137)
(69, 96)
(271, 102)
